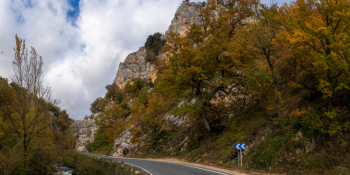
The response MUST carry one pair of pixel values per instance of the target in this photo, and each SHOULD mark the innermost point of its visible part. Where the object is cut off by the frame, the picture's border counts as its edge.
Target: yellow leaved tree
(318, 34)
(207, 62)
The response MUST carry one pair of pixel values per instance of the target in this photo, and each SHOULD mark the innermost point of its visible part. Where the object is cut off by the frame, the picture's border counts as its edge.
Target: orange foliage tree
(318, 34)
(208, 61)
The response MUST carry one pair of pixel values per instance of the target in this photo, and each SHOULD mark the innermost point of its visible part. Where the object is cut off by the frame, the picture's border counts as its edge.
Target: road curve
(163, 168)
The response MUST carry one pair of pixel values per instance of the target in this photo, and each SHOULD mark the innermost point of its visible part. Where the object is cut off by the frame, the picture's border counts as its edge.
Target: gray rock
(135, 66)
(84, 131)
(121, 144)
(177, 120)
(186, 14)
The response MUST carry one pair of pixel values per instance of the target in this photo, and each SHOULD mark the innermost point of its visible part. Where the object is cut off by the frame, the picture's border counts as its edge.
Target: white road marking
(125, 163)
(205, 169)
(140, 168)
(213, 171)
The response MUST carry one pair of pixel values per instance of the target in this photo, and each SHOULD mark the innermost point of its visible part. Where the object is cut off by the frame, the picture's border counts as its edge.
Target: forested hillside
(276, 78)
(33, 130)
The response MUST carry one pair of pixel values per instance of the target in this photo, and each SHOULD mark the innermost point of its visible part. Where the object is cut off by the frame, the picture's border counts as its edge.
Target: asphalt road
(163, 168)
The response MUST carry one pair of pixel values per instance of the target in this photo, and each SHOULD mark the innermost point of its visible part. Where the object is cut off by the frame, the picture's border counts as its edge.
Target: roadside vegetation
(279, 83)
(83, 164)
(33, 130)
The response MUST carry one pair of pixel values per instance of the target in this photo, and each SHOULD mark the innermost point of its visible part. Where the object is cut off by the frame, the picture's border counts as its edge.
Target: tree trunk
(276, 92)
(202, 114)
(277, 100)
(205, 121)
(24, 163)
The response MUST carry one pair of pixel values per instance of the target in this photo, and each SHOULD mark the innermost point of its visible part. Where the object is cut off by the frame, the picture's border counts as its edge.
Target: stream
(62, 170)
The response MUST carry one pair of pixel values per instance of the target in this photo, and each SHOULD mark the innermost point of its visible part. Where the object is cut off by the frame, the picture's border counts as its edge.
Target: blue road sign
(240, 146)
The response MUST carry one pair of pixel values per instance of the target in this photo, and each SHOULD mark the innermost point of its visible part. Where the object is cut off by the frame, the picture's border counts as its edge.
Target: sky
(82, 42)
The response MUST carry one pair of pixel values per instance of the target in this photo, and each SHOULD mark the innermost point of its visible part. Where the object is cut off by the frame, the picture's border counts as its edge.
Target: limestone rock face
(186, 14)
(84, 131)
(177, 120)
(134, 66)
(121, 144)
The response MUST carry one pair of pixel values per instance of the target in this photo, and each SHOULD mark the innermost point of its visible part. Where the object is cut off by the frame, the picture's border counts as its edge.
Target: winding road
(154, 167)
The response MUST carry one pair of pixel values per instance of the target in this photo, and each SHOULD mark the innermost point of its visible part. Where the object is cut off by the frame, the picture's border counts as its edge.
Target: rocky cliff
(135, 66)
(186, 14)
(122, 144)
(84, 131)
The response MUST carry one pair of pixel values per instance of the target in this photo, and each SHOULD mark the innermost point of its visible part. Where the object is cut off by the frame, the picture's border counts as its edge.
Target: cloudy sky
(81, 41)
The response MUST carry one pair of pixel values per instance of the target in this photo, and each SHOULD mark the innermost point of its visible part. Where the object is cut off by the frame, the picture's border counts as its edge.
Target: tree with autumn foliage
(267, 45)
(318, 35)
(32, 133)
(207, 61)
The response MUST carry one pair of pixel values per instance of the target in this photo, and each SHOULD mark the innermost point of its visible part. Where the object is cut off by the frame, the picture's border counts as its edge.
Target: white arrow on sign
(241, 146)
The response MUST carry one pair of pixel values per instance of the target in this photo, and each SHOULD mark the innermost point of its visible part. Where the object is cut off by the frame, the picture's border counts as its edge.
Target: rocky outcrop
(121, 144)
(175, 119)
(135, 66)
(187, 14)
(84, 131)
(53, 126)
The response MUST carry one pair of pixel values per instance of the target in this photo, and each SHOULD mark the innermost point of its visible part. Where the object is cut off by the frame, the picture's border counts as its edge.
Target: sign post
(239, 148)
(129, 148)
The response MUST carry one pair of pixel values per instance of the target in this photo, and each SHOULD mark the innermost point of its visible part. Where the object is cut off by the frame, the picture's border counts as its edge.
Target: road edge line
(192, 166)
(107, 157)
(206, 169)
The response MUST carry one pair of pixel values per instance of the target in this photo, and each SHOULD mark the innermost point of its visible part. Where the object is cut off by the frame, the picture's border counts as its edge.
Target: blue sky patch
(73, 13)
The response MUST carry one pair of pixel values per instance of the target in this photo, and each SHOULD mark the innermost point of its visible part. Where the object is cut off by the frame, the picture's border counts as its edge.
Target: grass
(275, 154)
(216, 148)
(87, 165)
(104, 150)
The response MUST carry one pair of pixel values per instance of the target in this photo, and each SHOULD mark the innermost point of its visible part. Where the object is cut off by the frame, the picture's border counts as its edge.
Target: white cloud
(81, 59)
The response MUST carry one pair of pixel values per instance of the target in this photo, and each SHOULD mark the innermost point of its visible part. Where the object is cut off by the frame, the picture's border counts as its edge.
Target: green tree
(114, 93)
(98, 105)
(135, 86)
(153, 45)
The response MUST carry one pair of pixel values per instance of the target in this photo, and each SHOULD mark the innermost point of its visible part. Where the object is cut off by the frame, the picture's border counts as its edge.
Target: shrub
(97, 106)
(153, 46)
(114, 93)
(137, 84)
